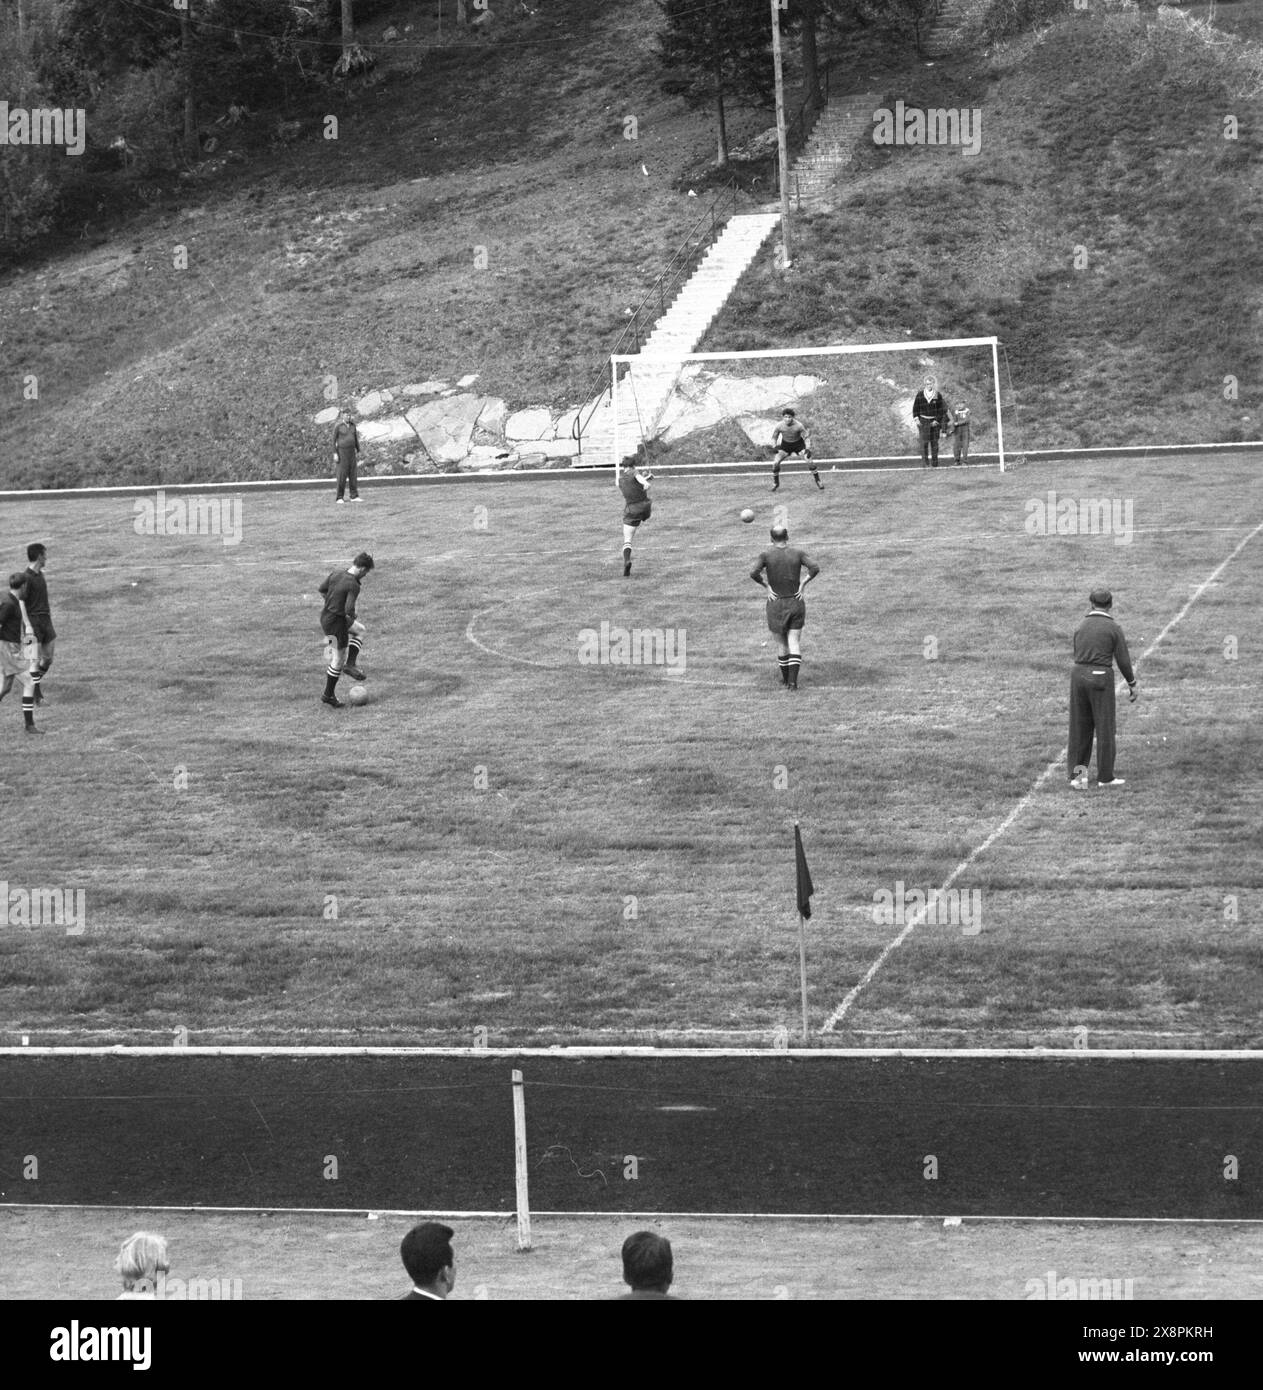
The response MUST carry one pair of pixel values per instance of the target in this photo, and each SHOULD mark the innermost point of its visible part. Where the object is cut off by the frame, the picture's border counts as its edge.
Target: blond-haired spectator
(141, 1260)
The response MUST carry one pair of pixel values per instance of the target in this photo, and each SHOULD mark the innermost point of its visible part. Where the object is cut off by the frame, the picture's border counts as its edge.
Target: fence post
(520, 1163)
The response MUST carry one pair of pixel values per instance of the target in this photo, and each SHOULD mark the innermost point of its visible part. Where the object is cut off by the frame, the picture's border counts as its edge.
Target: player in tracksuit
(1098, 643)
(790, 437)
(786, 607)
(344, 633)
(17, 650)
(346, 451)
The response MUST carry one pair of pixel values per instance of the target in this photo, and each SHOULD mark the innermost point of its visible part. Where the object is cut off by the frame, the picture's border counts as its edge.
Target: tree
(716, 51)
(899, 16)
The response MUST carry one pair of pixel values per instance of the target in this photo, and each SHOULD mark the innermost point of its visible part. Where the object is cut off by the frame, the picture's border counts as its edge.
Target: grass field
(509, 839)
(70, 1255)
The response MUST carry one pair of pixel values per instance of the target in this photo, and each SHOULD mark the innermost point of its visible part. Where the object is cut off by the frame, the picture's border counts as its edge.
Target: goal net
(722, 408)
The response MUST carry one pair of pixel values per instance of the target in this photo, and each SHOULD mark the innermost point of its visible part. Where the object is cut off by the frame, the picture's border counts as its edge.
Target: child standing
(959, 428)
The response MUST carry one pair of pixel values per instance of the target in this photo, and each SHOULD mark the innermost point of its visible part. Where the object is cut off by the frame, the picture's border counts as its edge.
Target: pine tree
(717, 51)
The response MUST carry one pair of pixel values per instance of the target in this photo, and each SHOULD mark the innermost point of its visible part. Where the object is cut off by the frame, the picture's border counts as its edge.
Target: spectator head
(788, 412)
(363, 562)
(140, 1260)
(647, 1263)
(779, 534)
(931, 385)
(1101, 598)
(36, 552)
(17, 582)
(426, 1252)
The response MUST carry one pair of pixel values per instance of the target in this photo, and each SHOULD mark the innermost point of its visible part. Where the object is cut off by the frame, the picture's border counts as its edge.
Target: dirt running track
(1028, 1136)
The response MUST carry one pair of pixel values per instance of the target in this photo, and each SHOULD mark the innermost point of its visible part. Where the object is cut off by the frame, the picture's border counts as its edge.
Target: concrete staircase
(838, 130)
(944, 32)
(645, 388)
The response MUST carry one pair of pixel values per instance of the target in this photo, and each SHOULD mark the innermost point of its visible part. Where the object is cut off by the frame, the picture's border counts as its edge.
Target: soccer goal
(722, 409)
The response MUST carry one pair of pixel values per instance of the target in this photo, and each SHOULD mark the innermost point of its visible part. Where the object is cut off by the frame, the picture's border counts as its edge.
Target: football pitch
(525, 838)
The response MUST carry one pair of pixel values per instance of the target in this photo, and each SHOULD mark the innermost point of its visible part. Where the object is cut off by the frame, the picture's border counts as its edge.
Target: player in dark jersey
(790, 437)
(38, 611)
(18, 650)
(633, 483)
(344, 633)
(786, 607)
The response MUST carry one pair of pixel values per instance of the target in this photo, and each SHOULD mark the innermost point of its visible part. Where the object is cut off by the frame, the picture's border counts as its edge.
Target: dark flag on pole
(805, 890)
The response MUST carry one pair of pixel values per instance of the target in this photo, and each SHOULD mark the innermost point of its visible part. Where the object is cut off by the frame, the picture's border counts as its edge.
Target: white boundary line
(1036, 1054)
(577, 469)
(364, 1213)
(920, 915)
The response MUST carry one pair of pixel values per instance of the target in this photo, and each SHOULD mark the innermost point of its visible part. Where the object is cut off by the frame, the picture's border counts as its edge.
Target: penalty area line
(933, 898)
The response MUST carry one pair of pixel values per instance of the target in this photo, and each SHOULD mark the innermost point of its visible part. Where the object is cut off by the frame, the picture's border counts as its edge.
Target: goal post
(721, 408)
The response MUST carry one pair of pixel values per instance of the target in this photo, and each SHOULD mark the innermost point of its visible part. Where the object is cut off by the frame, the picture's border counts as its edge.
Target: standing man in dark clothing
(633, 483)
(346, 448)
(786, 607)
(1098, 643)
(39, 612)
(344, 633)
(929, 410)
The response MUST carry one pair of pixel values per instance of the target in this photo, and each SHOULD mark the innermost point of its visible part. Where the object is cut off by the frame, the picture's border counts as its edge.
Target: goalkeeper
(790, 437)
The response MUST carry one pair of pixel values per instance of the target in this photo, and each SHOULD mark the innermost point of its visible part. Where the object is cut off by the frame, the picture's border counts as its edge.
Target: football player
(40, 614)
(786, 607)
(633, 483)
(790, 437)
(344, 633)
(19, 652)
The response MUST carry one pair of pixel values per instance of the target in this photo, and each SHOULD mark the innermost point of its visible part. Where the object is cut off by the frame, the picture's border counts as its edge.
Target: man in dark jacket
(1098, 643)
(929, 410)
(40, 614)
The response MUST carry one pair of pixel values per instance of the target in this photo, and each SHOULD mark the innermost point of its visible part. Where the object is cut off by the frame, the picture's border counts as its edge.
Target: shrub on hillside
(141, 109)
(28, 196)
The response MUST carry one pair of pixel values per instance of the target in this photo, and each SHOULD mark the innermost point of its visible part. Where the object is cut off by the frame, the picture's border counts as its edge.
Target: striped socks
(793, 661)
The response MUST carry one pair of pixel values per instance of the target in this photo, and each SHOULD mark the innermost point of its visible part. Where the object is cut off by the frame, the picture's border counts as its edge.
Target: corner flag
(805, 889)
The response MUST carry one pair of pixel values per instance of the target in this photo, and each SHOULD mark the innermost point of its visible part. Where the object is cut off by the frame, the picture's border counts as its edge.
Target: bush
(143, 109)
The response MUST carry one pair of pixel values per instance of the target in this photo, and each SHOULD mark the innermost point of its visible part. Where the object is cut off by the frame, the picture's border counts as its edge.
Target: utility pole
(191, 147)
(782, 156)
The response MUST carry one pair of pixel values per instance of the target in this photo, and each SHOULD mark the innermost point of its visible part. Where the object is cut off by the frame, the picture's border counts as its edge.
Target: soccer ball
(748, 514)
(359, 696)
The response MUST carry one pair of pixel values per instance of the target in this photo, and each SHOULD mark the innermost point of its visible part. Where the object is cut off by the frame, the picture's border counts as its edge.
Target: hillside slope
(324, 268)
(1106, 231)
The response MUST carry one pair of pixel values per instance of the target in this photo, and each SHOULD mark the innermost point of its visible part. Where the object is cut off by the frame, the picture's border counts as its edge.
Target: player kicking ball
(344, 633)
(633, 483)
(786, 607)
(788, 439)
